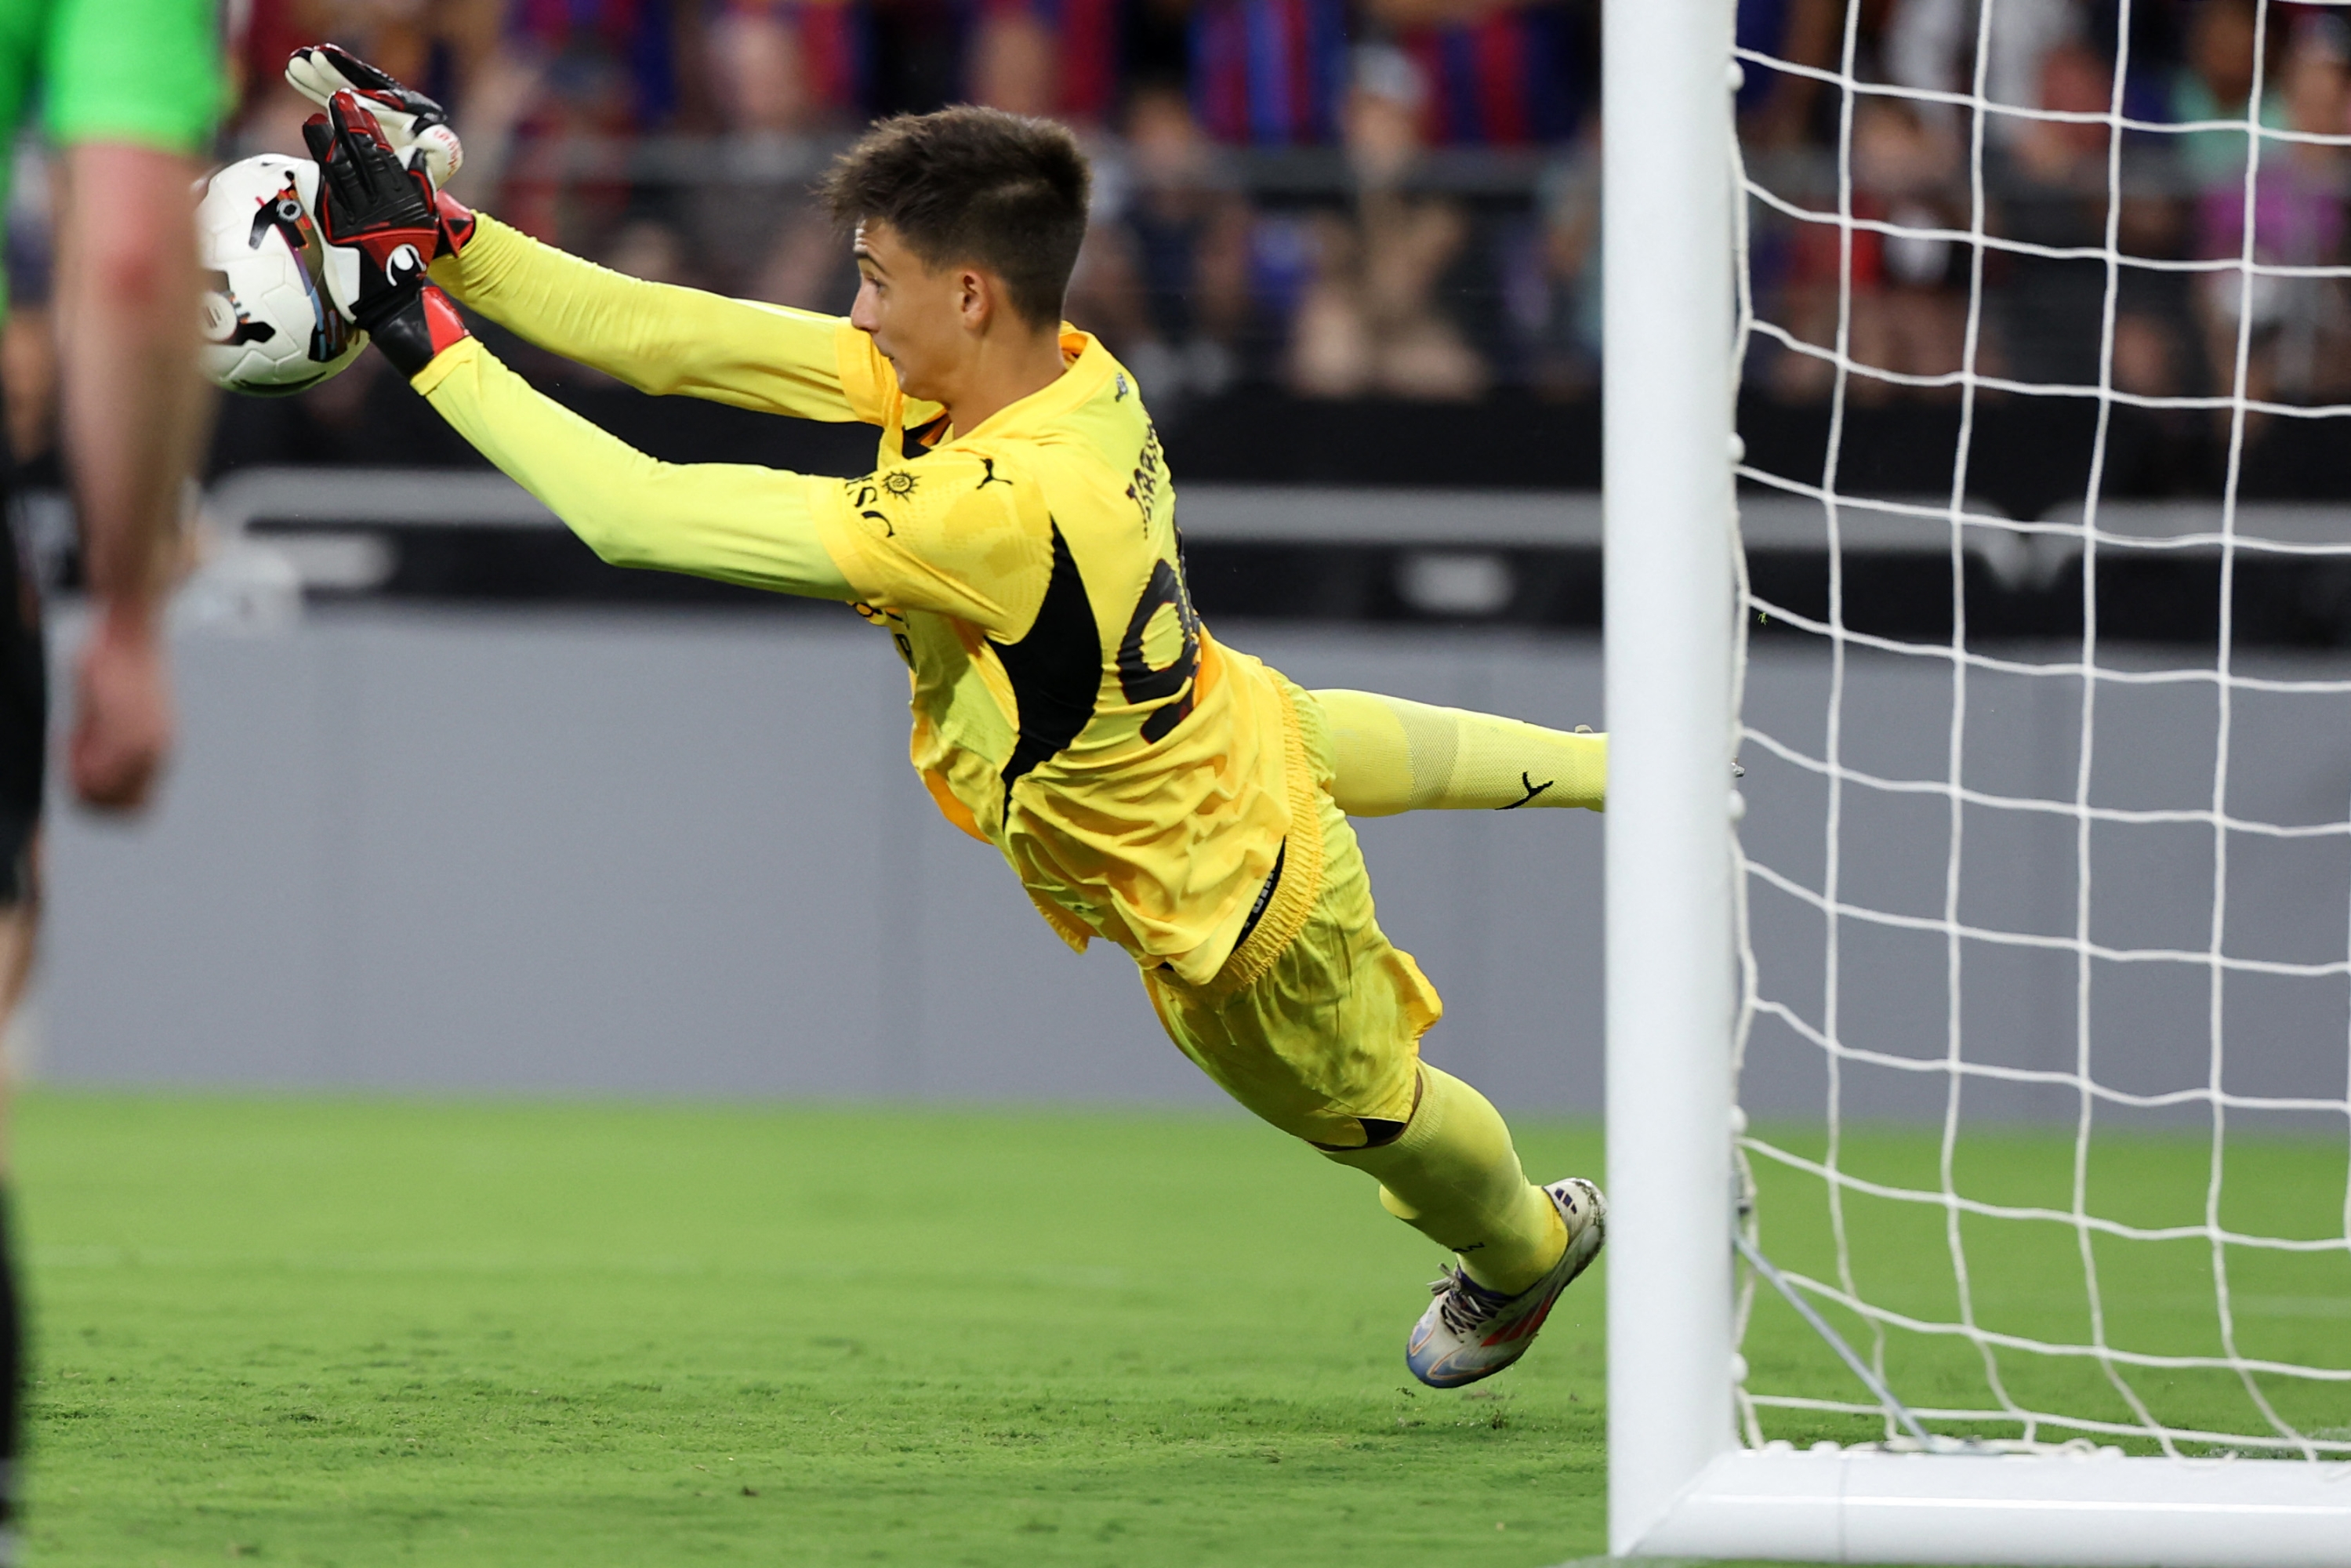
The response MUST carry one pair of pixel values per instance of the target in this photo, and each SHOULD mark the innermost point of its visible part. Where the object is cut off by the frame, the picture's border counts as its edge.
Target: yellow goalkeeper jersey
(1069, 707)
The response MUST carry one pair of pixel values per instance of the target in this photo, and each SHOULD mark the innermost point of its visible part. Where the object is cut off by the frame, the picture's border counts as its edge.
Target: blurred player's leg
(1389, 755)
(118, 84)
(24, 733)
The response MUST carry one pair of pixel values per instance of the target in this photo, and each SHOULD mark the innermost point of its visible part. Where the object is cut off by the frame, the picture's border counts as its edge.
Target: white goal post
(1681, 1484)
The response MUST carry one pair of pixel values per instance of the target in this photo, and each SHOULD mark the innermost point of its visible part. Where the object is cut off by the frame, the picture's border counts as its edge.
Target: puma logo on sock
(1526, 781)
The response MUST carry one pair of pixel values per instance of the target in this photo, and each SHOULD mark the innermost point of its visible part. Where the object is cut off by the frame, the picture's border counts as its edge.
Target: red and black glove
(383, 208)
(405, 117)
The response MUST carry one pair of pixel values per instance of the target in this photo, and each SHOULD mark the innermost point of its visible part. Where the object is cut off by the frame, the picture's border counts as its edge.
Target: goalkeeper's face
(930, 323)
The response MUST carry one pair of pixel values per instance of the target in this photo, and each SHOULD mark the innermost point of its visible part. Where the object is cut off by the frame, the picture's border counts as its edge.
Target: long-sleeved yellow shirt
(1068, 705)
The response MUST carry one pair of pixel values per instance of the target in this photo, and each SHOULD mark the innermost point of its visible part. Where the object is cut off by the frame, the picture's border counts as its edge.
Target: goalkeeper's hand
(376, 207)
(407, 116)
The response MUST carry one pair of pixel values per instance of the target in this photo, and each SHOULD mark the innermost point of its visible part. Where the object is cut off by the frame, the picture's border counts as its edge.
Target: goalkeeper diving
(1017, 542)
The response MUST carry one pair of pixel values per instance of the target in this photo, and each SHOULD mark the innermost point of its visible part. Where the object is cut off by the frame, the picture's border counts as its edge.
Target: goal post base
(2089, 1510)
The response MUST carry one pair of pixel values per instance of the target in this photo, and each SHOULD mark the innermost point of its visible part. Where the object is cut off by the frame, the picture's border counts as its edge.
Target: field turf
(355, 1331)
(309, 1331)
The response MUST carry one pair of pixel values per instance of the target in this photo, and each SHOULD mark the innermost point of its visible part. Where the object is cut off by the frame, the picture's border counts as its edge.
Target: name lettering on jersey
(989, 477)
(1150, 474)
(865, 494)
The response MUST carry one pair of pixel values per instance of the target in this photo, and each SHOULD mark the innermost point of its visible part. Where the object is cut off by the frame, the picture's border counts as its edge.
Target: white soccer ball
(269, 327)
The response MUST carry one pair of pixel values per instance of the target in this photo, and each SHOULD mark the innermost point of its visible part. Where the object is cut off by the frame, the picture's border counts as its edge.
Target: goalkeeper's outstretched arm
(733, 521)
(956, 547)
(662, 339)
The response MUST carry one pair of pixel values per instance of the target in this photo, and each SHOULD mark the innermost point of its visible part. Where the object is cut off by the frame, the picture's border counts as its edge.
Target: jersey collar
(1089, 365)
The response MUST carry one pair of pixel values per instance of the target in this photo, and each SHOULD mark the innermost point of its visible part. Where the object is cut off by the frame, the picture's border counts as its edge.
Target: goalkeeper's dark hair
(975, 185)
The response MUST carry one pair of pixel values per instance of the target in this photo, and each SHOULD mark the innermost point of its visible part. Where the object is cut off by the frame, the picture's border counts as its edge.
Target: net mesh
(2045, 923)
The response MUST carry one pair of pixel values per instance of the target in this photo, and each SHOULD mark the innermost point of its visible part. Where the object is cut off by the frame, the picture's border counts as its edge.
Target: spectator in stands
(1932, 44)
(2289, 329)
(1899, 313)
(783, 68)
(1371, 320)
(2214, 83)
(2314, 354)
(1271, 72)
(650, 46)
(1778, 108)
(1165, 277)
(1498, 73)
(1014, 62)
(1554, 293)
(783, 72)
(2052, 183)
(2051, 177)
(1056, 57)
(568, 179)
(1908, 172)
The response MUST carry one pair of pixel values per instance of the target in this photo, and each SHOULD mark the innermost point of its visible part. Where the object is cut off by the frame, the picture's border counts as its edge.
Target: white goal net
(2044, 869)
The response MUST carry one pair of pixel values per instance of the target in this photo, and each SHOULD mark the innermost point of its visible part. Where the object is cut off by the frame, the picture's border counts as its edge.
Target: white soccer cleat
(1470, 1331)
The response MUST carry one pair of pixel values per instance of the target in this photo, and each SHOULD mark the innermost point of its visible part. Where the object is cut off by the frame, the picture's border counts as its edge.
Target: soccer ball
(269, 328)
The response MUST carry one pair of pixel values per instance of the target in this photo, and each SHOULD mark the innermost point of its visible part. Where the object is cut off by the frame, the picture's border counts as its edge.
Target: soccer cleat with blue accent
(1470, 1331)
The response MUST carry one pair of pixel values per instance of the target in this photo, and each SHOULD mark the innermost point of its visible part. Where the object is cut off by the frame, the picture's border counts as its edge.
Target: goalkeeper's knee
(1390, 755)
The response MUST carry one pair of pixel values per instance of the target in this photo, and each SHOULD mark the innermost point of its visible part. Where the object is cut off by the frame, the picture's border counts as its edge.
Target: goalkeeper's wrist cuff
(456, 224)
(413, 331)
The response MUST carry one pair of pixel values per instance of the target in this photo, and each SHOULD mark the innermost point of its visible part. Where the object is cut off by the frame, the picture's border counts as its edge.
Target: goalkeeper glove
(376, 207)
(407, 116)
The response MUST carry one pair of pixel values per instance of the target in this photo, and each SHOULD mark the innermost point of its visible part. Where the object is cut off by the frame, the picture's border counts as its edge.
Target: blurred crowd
(1343, 197)
(2179, 187)
(1400, 198)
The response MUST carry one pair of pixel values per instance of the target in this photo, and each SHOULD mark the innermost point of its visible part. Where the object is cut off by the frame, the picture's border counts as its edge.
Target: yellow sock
(1390, 755)
(1454, 1176)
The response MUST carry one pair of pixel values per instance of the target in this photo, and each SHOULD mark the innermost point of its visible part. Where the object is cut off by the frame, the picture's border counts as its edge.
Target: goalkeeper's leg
(1452, 1173)
(1318, 1034)
(1314, 1024)
(1389, 755)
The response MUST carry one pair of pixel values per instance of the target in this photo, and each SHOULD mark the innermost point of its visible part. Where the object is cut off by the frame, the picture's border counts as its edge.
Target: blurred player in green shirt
(128, 92)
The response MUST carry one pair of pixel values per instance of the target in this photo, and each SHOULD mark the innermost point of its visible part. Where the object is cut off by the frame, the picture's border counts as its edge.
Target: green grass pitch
(356, 1332)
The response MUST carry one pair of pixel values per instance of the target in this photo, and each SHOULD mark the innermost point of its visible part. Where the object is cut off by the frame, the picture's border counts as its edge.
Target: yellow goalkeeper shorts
(1314, 1022)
